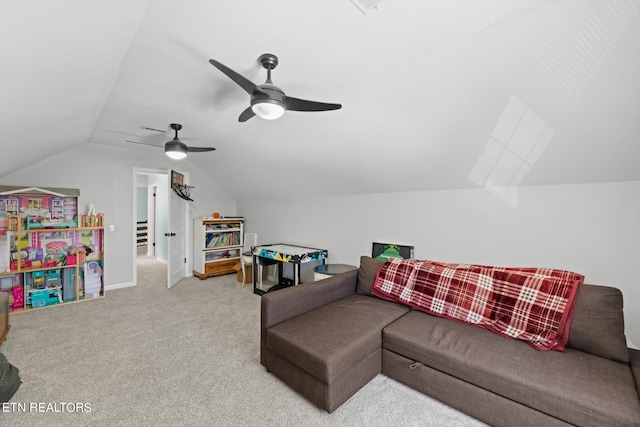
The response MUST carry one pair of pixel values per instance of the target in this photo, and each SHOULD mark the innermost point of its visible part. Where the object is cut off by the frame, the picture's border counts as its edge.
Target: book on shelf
(216, 227)
(217, 240)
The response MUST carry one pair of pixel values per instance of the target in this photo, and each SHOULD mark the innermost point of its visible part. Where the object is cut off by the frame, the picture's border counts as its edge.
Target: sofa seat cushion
(573, 386)
(331, 339)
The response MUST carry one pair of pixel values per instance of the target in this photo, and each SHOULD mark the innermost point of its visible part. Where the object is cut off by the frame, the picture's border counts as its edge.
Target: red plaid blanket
(530, 304)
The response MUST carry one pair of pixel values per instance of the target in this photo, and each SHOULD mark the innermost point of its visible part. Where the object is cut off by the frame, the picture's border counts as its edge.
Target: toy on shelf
(78, 254)
(33, 222)
(38, 279)
(13, 223)
(54, 279)
(92, 279)
(91, 219)
(42, 297)
(4, 222)
(18, 296)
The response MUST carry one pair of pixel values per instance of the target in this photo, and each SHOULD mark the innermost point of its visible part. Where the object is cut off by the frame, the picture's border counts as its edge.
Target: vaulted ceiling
(435, 94)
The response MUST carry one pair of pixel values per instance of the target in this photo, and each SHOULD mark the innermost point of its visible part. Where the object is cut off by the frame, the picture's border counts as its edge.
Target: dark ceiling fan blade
(244, 83)
(154, 129)
(199, 149)
(246, 115)
(296, 104)
(143, 143)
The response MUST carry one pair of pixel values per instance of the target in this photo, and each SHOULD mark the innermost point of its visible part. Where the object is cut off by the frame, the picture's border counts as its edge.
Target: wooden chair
(246, 258)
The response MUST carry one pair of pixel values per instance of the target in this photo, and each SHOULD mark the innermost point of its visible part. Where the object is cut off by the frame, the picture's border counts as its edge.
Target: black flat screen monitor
(385, 251)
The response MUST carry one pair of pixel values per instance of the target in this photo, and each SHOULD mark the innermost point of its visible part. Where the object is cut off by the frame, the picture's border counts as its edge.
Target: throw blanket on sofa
(530, 304)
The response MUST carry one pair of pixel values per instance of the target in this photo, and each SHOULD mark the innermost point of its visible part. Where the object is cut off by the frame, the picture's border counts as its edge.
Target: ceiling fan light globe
(175, 150)
(176, 155)
(268, 109)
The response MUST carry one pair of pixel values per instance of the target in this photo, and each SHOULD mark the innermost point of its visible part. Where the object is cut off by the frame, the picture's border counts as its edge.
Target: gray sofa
(328, 339)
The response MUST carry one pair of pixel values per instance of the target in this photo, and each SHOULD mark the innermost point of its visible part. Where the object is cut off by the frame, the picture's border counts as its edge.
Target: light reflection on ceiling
(570, 53)
(517, 140)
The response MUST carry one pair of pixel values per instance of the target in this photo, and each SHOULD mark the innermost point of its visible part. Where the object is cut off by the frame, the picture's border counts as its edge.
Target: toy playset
(48, 253)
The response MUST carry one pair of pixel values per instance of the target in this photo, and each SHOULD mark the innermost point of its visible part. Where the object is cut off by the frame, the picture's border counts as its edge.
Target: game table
(284, 253)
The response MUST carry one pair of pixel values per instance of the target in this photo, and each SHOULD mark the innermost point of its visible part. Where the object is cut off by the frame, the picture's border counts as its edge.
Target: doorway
(148, 210)
(155, 205)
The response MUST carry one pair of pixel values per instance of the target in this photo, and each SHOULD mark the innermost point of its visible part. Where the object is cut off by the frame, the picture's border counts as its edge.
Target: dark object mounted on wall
(177, 185)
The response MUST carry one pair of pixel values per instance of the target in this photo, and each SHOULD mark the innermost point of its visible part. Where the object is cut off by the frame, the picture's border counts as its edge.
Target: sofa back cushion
(530, 304)
(597, 326)
(367, 274)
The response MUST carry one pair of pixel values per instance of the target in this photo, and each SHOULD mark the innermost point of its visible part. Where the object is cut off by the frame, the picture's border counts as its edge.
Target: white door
(176, 237)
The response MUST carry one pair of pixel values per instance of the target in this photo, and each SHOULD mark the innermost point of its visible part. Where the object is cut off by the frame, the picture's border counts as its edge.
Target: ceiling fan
(268, 100)
(175, 148)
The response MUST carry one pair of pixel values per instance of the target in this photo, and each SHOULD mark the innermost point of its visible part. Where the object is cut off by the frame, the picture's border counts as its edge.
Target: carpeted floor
(149, 356)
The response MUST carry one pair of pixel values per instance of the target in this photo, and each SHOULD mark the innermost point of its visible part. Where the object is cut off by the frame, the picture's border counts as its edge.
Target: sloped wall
(593, 229)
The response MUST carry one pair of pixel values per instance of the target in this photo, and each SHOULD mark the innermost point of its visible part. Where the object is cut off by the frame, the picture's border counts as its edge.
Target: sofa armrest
(634, 362)
(278, 306)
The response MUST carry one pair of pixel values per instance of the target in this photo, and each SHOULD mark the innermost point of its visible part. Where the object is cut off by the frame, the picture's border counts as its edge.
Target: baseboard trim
(118, 286)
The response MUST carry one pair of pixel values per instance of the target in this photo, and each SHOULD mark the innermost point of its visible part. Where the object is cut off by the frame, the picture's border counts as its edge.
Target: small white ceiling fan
(175, 148)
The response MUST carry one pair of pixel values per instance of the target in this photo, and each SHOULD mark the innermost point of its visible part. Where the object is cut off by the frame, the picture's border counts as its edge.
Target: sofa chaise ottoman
(329, 352)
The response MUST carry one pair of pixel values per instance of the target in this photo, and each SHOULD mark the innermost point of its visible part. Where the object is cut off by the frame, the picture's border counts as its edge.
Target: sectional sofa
(329, 338)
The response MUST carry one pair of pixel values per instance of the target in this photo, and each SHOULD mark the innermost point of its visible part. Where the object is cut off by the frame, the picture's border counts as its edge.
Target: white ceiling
(435, 94)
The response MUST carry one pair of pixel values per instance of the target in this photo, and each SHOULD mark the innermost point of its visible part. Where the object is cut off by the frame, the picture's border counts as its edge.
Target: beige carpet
(149, 356)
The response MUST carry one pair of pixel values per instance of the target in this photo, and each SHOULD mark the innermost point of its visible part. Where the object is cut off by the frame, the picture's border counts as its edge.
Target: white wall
(105, 178)
(592, 229)
(141, 205)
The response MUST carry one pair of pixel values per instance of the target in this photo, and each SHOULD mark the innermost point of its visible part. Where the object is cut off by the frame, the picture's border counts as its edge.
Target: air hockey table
(283, 253)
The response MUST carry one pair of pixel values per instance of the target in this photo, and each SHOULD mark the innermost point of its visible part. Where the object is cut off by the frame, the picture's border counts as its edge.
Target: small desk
(281, 253)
